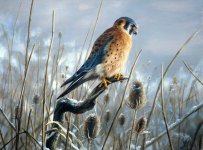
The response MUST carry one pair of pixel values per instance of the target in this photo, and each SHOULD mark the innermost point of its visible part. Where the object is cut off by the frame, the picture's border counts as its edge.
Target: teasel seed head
(121, 119)
(106, 98)
(175, 81)
(67, 67)
(36, 99)
(107, 116)
(91, 126)
(140, 126)
(137, 97)
(62, 75)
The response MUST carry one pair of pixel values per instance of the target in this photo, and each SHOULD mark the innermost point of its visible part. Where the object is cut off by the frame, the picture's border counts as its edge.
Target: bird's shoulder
(102, 39)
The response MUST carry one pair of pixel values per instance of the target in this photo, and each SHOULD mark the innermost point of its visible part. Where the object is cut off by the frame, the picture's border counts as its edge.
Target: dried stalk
(2, 139)
(131, 132)
(94, 28)
(28, 122)
(45, 82)
(16, 137)
(193, 73)
(25, 74)
(10, 123)
(163, 112)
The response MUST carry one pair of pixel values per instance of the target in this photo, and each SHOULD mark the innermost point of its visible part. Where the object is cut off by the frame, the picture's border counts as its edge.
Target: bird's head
(127, 24)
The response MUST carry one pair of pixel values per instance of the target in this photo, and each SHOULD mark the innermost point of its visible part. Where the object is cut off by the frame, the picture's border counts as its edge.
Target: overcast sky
(164, 25)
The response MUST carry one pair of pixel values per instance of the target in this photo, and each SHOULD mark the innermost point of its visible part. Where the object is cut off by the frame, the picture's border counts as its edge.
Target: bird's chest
(117, 54)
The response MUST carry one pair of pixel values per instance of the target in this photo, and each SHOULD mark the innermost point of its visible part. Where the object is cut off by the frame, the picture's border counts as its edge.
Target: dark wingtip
(63, 85)
(59, 97)
(67, 81)
(62, 95)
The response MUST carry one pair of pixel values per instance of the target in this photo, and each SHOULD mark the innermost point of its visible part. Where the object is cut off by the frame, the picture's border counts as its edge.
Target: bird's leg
(118, 76)
(104, 83)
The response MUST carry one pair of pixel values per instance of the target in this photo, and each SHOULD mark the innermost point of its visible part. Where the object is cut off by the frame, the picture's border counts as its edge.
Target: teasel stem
(131, 131)
(163, 111)
(136, 139)
(89, 144)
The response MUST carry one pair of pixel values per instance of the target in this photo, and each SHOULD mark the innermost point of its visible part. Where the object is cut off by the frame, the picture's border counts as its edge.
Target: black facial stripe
(126, 26)
(131, 30)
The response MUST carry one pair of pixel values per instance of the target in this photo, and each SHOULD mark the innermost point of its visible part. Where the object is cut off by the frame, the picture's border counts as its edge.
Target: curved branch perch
(77, 107)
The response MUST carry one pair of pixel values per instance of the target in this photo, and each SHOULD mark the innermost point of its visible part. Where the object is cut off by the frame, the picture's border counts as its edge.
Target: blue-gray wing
(79, 77)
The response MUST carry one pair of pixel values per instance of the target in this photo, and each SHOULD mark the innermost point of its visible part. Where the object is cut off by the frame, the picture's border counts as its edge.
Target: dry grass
(28, 95)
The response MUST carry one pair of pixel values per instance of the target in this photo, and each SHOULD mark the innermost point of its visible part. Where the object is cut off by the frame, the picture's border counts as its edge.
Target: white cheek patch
(128, 30)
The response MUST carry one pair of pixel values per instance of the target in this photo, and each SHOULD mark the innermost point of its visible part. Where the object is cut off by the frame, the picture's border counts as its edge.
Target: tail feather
(68, 81)
(74, 78)
(77, 83)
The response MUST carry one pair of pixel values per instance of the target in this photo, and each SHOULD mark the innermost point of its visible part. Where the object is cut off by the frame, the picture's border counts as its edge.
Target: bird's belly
(115, 63)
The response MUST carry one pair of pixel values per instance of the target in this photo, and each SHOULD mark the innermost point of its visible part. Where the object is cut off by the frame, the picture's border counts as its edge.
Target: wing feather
(81, 75)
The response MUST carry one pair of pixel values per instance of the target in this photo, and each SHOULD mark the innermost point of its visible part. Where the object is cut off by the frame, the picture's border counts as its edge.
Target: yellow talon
(104, 83)
(118, 76)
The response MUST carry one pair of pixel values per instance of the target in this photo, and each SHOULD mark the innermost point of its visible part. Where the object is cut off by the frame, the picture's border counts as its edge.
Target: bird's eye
(120, 22)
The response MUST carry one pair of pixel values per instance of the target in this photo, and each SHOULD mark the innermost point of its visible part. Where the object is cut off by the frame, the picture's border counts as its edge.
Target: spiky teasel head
(141, 125)
(36, 99)
(63, 76)
(137, 98)
(91, 126)
(67, 67)
(121, 119)
(107, 116)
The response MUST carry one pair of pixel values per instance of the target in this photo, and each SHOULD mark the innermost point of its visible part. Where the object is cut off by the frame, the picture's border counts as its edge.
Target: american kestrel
(108, 56)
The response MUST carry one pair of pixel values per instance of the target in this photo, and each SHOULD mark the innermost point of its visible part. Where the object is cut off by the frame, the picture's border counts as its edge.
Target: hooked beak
(135, 30)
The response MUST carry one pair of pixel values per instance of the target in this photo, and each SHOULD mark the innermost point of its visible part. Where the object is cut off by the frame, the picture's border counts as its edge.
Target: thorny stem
(136, 139)
(131, 132)
(89, 144)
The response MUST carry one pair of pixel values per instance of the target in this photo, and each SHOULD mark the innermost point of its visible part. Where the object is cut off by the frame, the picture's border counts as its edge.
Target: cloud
(164, 25)
(174, 6)
(83, 7)
(3, 51)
